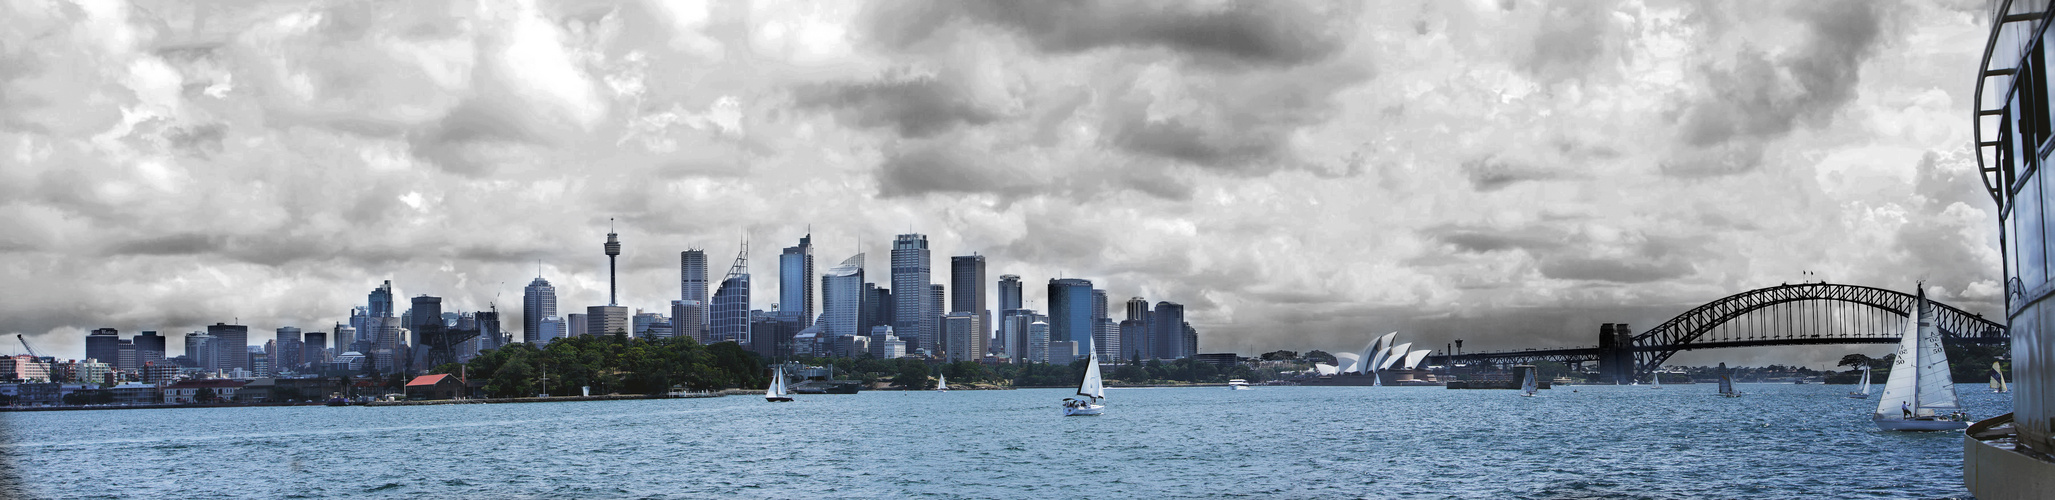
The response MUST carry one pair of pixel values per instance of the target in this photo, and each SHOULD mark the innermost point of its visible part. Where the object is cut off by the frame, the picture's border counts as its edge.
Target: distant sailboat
(1919, 389)
(1727, 382)
(1528, 383)
(942, 385)
(1997, 378)
(1655, 380)
(777, 392)
(1864, 393)
(1091, 388)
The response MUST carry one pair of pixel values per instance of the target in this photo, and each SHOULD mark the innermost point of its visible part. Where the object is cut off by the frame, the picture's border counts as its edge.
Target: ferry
(1238, 384)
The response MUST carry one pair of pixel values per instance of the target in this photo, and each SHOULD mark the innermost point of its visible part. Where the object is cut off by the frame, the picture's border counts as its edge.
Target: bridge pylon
(1616, 353)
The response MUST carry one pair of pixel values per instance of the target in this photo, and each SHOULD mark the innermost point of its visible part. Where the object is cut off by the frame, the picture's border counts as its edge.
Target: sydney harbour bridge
(1800, 314)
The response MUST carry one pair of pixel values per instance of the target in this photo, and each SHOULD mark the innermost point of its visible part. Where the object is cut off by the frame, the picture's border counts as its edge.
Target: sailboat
(1919, 389)
(1864, 393)
(1997, 378)
(1091, 388)
(1727, 382)
(777, 393)
(1655, 380)
(942, 385)
(1528, 384)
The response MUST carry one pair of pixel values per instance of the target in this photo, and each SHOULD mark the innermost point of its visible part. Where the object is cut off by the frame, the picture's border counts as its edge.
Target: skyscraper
(1134, 331)
(936, 293)
(613, 249)
(200, 350)
(315, 348)
(685, 317)
(149, 347)
(286, 349)
(1166, 331)
(606, 320)
(538, 301)
(842, 298)
(381, 301)
(1070, 312)
(795, 280)
(1009, 300)
(964, 342)
(877, 308)
(1105, 340)
(104, 345)
(967, 277)
(231, 346)
(913, 321)
(731, 303)
(692, 286)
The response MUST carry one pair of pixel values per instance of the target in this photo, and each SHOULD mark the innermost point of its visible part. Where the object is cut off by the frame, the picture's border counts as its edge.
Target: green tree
(204, 395)
(912, 376)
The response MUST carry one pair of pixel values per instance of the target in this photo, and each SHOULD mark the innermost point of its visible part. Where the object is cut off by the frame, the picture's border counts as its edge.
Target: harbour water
(1780, 441)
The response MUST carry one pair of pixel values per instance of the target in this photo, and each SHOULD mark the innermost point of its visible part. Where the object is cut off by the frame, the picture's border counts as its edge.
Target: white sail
(1091, 385)
(1656, 379)
(1936, 384)
(1899, 389)
(1726, 380)
(942, 384)
(777, 388)
(1997, 378)
(1865, 380)
(1397, 352)
(1528, 384)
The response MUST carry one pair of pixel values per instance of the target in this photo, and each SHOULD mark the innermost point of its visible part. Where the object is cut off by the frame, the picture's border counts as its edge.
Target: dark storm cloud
(1572, 39)
(940, 167)
(1761, 97)
(1235, 34)
(910, 106)
(1492, 173)
(199, 140)
(175, 244)
(454, 142)
(1614, 270)
(1482, 239)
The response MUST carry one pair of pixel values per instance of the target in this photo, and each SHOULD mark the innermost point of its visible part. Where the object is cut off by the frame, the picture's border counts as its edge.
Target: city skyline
(1339, 171)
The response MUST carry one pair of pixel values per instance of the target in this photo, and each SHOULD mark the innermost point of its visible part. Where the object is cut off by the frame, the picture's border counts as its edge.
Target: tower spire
(613, 248)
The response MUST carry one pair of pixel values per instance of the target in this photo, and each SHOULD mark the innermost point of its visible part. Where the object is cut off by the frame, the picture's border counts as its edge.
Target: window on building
(2027, 219)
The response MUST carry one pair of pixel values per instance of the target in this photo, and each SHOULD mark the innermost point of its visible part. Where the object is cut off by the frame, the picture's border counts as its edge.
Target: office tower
(1191, 340)
(285, 352)
(577, 324)
(685, 320)
(606, 320)
(1138, 309)
(388, 345)
(967, 277)
(1009, 300)
(125, 357)
(1063, 352)
(1038, 340)
(935, 299)
(549, 328)
(1070, 312)
(345, 338)
(538, 301)
(425, 318)
(490, 336)
(1016, 326)
(842, 298)
(795, 280)
(381, 301)
(642, 321)
(1105, 340)
(231, 346)
(692, 287)
(965, 342)
(316, 348)
(912, 320)
(877, 307)
(200, 349)
(613, 248)
(1166, 331)
(883, 343)
(1134, 340)
(360, 328)
(103, 345)
(149, 348)
(731, 303)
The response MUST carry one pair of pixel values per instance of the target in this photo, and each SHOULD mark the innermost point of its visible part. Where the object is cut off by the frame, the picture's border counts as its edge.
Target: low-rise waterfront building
(191, 391)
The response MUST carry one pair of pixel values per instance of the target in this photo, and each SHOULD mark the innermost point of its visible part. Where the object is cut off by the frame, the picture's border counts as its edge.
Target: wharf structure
(2009, 456)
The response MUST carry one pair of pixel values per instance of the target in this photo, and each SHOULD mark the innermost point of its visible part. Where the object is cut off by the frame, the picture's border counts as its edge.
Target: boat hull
(1920, 425)
(777, 399)
(1085, 411)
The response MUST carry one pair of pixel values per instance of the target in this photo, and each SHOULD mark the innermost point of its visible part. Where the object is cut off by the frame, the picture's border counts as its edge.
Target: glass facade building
(1071, 312)
(842, 299)
(912, 321)
(795, 280)
(538, 301)
(2014, 122)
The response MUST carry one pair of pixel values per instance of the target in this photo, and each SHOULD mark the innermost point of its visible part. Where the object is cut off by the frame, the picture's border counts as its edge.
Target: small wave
(383, 487)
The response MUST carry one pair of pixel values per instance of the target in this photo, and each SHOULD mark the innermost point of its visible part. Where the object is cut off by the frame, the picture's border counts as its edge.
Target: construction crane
(50, 371)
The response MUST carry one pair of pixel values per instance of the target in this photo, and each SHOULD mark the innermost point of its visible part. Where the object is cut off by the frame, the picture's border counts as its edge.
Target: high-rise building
(1070, 312)
(389, 344)
(231, 346)
(200, 349)
(692, 287)
(149, 348)
(1138, 309)
(877, 307)
(104, 345)
(685, 315)
(606, 320)
(577, 324)
(642, 322)
(964, 341)
(315, 351)
(913, 321)
(1016, 326)
(1038, 341)
(1009, 300)
(549, 328)
(381, 301)
(795, 280)
(1134, 340)
(731, 303)
(842, 298)
(538, 300)
(967, 277)
(1105, 339)
(286, 351)
(936, 294)
(1166, 331)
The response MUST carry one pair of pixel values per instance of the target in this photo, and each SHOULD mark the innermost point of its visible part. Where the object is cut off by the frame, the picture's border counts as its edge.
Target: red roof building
(442, 386)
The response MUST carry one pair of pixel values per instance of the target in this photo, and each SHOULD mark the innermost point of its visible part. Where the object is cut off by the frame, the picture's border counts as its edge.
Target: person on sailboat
(1906, 407)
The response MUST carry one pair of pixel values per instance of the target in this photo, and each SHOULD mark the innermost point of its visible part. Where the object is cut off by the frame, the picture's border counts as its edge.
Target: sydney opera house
(1380, 363)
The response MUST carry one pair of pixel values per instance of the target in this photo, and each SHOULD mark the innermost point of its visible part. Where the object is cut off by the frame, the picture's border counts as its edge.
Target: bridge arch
(1649, 349)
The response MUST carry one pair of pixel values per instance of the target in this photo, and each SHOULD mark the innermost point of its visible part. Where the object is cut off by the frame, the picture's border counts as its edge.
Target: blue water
(1780, 441)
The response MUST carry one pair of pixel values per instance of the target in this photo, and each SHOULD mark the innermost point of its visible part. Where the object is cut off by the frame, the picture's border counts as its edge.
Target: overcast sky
(1299, 175)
